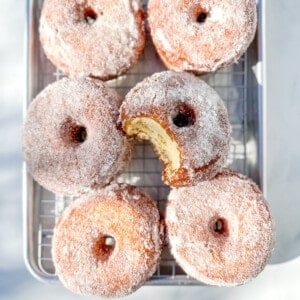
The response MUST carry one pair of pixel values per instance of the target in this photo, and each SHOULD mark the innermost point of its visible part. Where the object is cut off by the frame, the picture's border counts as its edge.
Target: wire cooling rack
(237, 87)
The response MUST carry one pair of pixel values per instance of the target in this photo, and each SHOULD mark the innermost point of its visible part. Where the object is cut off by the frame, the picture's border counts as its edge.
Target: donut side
(186, 122)
(108, 244)
(221, 231)
(71, 141)
(92, 38)
(201, 36)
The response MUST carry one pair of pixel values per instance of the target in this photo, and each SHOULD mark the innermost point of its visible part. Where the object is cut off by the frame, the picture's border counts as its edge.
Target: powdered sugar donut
(96, 38)
(201, 35)
(185, 120)
(108, 244)
(71, 141)
(220, 231)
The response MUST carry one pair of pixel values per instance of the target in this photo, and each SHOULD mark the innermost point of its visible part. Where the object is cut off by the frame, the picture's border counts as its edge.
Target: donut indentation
(184, 116)
(104, 247)
(220, 227)
(72, 133)
(81, 134)
(202, 17)
(90, 15)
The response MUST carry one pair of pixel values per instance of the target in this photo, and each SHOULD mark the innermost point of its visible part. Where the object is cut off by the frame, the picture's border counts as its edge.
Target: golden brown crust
(53, 150)
(85, 264)
(104, 49)
(185, 44)
(204, 145)
(228, 255)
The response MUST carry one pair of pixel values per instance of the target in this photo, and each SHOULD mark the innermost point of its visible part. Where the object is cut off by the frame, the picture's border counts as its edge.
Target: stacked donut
(78, 137)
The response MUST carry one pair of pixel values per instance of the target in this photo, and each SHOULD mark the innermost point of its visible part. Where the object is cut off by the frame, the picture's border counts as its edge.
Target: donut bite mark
(164, 145)
(186, 122)
(108, 244)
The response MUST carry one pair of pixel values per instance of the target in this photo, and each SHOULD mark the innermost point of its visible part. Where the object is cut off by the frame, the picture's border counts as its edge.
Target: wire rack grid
(145, 169)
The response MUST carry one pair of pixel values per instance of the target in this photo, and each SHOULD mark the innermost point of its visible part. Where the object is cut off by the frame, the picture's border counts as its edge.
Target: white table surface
(281, 278)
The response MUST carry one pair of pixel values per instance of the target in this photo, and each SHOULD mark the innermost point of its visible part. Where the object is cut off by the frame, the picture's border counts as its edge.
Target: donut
(108, 244)
(185, 120)
(96, 38)
(201, 36)
(220, 231)
(72, 143)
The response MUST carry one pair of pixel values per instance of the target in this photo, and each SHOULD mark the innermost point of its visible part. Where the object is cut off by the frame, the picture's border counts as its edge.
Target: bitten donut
(185, 120)
(96, 38)
(220, 231)
(71, 140)
(201, 35)
(108, 244)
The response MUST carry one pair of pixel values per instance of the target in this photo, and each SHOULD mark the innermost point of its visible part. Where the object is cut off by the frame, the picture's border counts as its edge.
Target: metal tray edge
(262, 96)
(27, 208)
(262, 93)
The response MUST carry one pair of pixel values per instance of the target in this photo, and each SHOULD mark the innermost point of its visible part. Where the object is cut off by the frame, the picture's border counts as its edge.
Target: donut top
(95, 38)
(122, 213)
(190, 111)
(71, 142)
(125, 195)
(202, 35)
(238, 232)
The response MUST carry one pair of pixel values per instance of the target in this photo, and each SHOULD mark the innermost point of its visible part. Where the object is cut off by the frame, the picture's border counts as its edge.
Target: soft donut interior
(166, 148)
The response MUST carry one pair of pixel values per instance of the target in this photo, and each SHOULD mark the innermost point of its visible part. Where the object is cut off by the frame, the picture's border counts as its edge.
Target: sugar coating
(104, 49)
(204, 146)
(60, 164)
(227, 259)
(124, 213)
(187, 45)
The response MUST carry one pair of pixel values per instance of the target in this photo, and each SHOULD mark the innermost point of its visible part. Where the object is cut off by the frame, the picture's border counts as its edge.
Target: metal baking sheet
(237, 86)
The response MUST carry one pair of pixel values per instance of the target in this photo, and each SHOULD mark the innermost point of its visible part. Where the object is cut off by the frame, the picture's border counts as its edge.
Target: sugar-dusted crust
(204, 145)
(52, 149)
(127, 215)
(187, 45)
(228, 258)
(105, 49)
